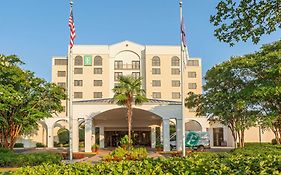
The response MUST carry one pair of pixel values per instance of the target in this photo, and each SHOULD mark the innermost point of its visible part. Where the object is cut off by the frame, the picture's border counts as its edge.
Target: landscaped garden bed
(254, 159)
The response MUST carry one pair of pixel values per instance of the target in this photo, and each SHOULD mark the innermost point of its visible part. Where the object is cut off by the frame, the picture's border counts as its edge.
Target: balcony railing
(127, 67)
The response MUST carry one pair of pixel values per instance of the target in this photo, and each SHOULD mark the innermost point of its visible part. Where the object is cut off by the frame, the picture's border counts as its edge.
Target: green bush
(18, 145)
(5, 150)
(10, 159)
(253, 159)
(63, 135)
(40, 145)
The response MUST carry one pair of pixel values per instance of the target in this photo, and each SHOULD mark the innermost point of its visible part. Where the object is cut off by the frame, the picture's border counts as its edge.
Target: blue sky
(37, 30)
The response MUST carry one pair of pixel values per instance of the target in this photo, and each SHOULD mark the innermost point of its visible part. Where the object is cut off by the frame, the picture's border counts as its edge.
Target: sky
(36, 30)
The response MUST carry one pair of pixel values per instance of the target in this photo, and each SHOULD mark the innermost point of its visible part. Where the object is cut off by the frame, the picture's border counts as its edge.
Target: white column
(101, 137)
(166, 134)
(88, 135)
(153, 136)
(50, 138)
(179, 134)
(75, 139)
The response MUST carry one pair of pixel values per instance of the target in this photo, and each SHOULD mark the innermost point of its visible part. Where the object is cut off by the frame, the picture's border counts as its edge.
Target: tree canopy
(244, 91)
(24, 100)
(241, 20)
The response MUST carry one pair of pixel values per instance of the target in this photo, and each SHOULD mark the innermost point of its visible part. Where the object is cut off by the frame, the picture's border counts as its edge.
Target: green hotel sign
(87, 60)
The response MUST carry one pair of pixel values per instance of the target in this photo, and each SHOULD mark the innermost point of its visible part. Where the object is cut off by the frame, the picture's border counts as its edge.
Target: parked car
(197, 140)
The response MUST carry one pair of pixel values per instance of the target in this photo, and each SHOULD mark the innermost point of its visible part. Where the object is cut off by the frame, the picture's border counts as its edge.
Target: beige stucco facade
(95, 73)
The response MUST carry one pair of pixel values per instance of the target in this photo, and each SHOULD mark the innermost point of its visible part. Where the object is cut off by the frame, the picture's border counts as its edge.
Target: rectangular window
(156, 83)
(175, 95)
(78, 70)
(176, 83)
(117, 75)
(192, 63)
(97, 70)
(156, 71)
(60, 61)
(191, 74)
(175, 71)
(135, 65)
(78, 94)
(136, 74)
(97, 82)
(62, 84)
(192, 85)
(78, 82)
(61, 73)
(156, 95)
(118, 65)
(97, 94)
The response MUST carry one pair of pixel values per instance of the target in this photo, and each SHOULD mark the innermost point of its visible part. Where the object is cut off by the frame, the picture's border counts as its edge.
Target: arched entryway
(193, 125)
(113, 125)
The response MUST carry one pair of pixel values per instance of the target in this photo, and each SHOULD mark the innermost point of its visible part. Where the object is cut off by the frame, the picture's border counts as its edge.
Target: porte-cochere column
(166, 134)
(88, 135)
(179, 131)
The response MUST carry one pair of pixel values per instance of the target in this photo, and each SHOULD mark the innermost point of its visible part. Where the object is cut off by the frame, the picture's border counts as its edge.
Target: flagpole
(182, 84)
(69, 93)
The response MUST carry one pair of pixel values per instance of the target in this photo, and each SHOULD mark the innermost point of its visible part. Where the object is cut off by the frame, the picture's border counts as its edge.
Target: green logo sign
(87, 60)
(192, 139)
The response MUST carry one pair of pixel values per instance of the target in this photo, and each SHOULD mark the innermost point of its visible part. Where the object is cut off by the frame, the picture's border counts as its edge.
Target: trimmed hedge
(11, 159)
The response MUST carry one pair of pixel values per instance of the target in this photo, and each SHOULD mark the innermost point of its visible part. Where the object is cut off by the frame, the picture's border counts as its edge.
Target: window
(118, 64)
(175, 71)
(156, 71)
(98, 61)
(156, 95)
(97, 82)
(136, 74)
(117, 75)
(97, 94)
(78, 70)
(78, 94)
(175, 61)
(155, 61)
(176, 83)
(135, 65)
(60, 61)
(63, 108)
(193, 63)
(175, 95)
(191, 74)
(192, 109)
(192, 85)
(78, 82)
(156, 83)
(61, 73)
(78, 61)
(62, 84)
(97, 70)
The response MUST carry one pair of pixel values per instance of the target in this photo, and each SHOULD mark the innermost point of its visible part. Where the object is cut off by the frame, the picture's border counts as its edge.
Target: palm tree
(127, 92)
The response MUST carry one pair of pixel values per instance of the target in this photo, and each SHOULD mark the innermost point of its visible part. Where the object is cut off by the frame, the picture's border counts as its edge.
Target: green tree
(24, 100)
(264, 90)
(224, 100)
(127, 92)
(246, 19)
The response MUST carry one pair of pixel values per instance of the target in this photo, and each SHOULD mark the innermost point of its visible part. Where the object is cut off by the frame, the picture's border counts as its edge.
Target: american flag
(72, 29)
(183, 41)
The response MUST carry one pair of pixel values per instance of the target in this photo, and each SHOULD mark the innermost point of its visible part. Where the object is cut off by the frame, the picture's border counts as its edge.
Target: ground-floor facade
(105, 123)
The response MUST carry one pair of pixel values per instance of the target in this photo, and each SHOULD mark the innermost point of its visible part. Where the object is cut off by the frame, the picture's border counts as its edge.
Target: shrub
(11, 159)
(18, 145)
(40, 145)
(63, 135)
(5, 150)
(274, 141)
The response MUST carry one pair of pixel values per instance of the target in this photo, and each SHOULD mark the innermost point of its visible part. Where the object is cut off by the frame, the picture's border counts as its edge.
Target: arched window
(98, 61)
(175, 61)
(155, 61)
(78, 61)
